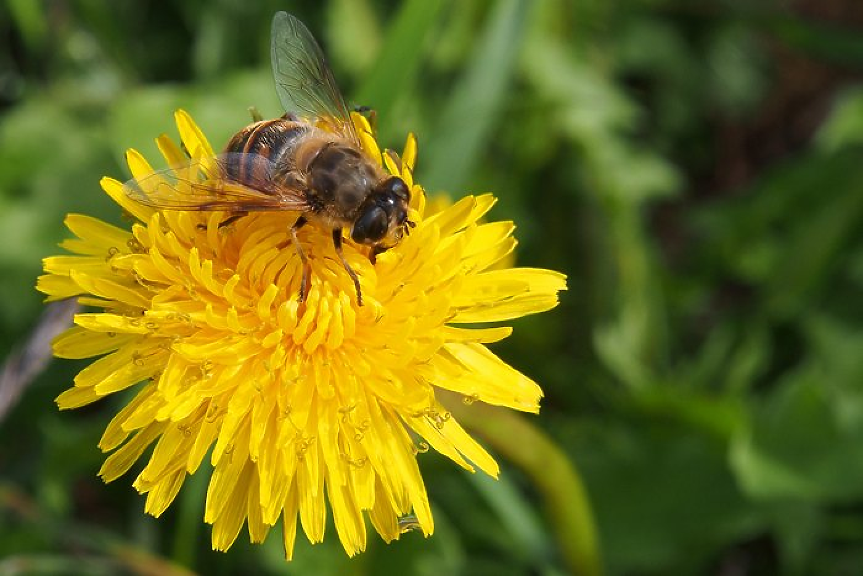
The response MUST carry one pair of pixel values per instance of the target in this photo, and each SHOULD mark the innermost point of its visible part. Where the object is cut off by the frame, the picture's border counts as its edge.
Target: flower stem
(553, 474)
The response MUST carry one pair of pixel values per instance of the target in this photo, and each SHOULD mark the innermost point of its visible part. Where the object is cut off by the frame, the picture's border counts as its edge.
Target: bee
(309, 161)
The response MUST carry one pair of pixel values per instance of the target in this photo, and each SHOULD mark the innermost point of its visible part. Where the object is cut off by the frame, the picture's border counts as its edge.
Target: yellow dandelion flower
(299, 404)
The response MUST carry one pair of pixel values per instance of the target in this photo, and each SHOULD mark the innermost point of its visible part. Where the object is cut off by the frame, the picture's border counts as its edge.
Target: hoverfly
(309, 161)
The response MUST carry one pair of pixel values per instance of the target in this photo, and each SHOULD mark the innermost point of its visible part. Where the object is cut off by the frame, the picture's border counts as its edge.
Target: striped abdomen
(276, 140)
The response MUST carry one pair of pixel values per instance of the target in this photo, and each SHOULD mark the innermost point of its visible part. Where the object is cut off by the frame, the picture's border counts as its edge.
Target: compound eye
(371, 226)
(397, 188)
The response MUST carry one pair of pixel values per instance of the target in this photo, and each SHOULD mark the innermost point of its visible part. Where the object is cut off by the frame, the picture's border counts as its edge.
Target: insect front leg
(376, 249)
(337, 242)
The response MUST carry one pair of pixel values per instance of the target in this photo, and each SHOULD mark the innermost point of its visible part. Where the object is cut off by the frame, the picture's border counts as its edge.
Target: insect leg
(304, 283)
(231, 219)
(377, 249)
(226, 222)
(337, 242)
(256, 114)
(370, 114)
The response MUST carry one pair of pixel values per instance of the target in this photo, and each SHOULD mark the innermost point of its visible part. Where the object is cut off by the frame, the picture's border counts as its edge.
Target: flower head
(299, 404)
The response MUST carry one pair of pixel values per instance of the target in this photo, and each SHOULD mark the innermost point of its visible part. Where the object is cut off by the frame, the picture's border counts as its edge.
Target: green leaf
(815, 243)
(797, 447)
(844, 126)
(833, 42)
(662, 494)
(593, 113)
(220, 110)
(31, 20)
(353, 35)
(515, 516)
(466, 121)
(399, 60)
(442, 553)
(837, 345)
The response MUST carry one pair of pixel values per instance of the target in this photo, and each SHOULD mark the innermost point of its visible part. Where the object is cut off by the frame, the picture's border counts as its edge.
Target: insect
(293, 164)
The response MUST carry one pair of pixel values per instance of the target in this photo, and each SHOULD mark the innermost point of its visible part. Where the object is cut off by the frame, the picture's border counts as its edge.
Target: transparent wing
(304, 81)
(233, 182)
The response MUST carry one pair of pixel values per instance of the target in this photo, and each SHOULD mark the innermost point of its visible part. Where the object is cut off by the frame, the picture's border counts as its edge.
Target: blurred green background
(694, 167)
